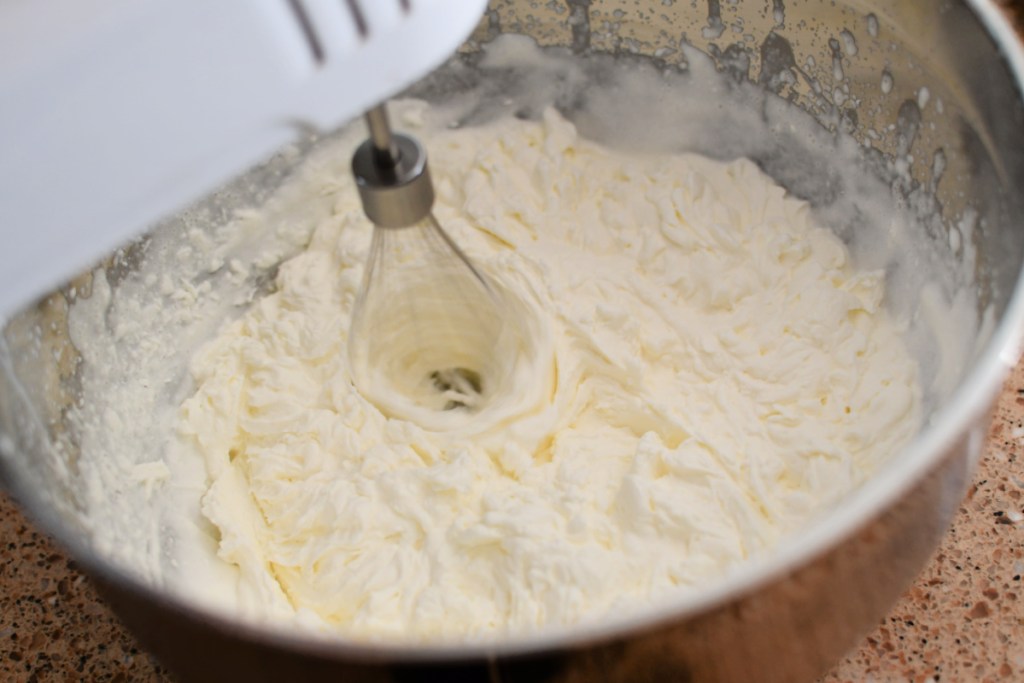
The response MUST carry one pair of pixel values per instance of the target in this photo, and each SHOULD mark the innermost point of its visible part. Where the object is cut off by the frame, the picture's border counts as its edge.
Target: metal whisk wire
(427, 323)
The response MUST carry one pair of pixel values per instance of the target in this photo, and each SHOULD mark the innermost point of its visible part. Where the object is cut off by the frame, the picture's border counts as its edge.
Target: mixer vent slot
(357, 17)
(360, 19)
(315, 41)
(315, 48)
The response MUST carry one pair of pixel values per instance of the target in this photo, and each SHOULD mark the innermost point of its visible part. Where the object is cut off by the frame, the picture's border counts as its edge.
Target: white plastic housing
(114, 113)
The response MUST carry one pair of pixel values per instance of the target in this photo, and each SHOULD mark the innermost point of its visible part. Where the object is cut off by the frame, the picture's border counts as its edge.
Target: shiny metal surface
(378, 124)
(398, 194)
(787, 618)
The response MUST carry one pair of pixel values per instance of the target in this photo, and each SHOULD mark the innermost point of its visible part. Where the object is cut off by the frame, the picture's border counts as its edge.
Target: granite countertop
(963, 620)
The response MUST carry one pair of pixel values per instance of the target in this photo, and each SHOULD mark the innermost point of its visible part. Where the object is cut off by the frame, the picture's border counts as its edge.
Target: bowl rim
(968, 406)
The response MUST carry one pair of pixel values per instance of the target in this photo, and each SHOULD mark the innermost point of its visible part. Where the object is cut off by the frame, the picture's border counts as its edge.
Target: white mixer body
(113, 113)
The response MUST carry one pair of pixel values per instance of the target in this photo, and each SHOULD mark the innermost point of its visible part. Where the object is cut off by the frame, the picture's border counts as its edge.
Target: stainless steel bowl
(786, 618)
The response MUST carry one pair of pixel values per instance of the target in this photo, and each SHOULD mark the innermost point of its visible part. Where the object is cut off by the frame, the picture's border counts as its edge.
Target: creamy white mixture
(706, 371)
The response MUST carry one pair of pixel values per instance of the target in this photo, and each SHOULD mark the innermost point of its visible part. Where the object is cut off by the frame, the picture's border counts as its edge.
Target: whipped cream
(706, 373)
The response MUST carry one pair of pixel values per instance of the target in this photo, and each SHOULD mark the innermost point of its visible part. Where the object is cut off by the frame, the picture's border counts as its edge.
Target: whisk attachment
(429, 339)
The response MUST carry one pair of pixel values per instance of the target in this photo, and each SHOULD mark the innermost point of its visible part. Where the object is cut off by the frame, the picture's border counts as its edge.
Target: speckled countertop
(963, 620)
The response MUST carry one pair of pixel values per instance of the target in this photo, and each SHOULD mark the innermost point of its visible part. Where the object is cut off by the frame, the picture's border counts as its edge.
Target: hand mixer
(114, 113)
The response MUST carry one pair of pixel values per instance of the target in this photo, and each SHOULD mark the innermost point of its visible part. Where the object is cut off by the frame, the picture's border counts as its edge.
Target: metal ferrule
(396, 193)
